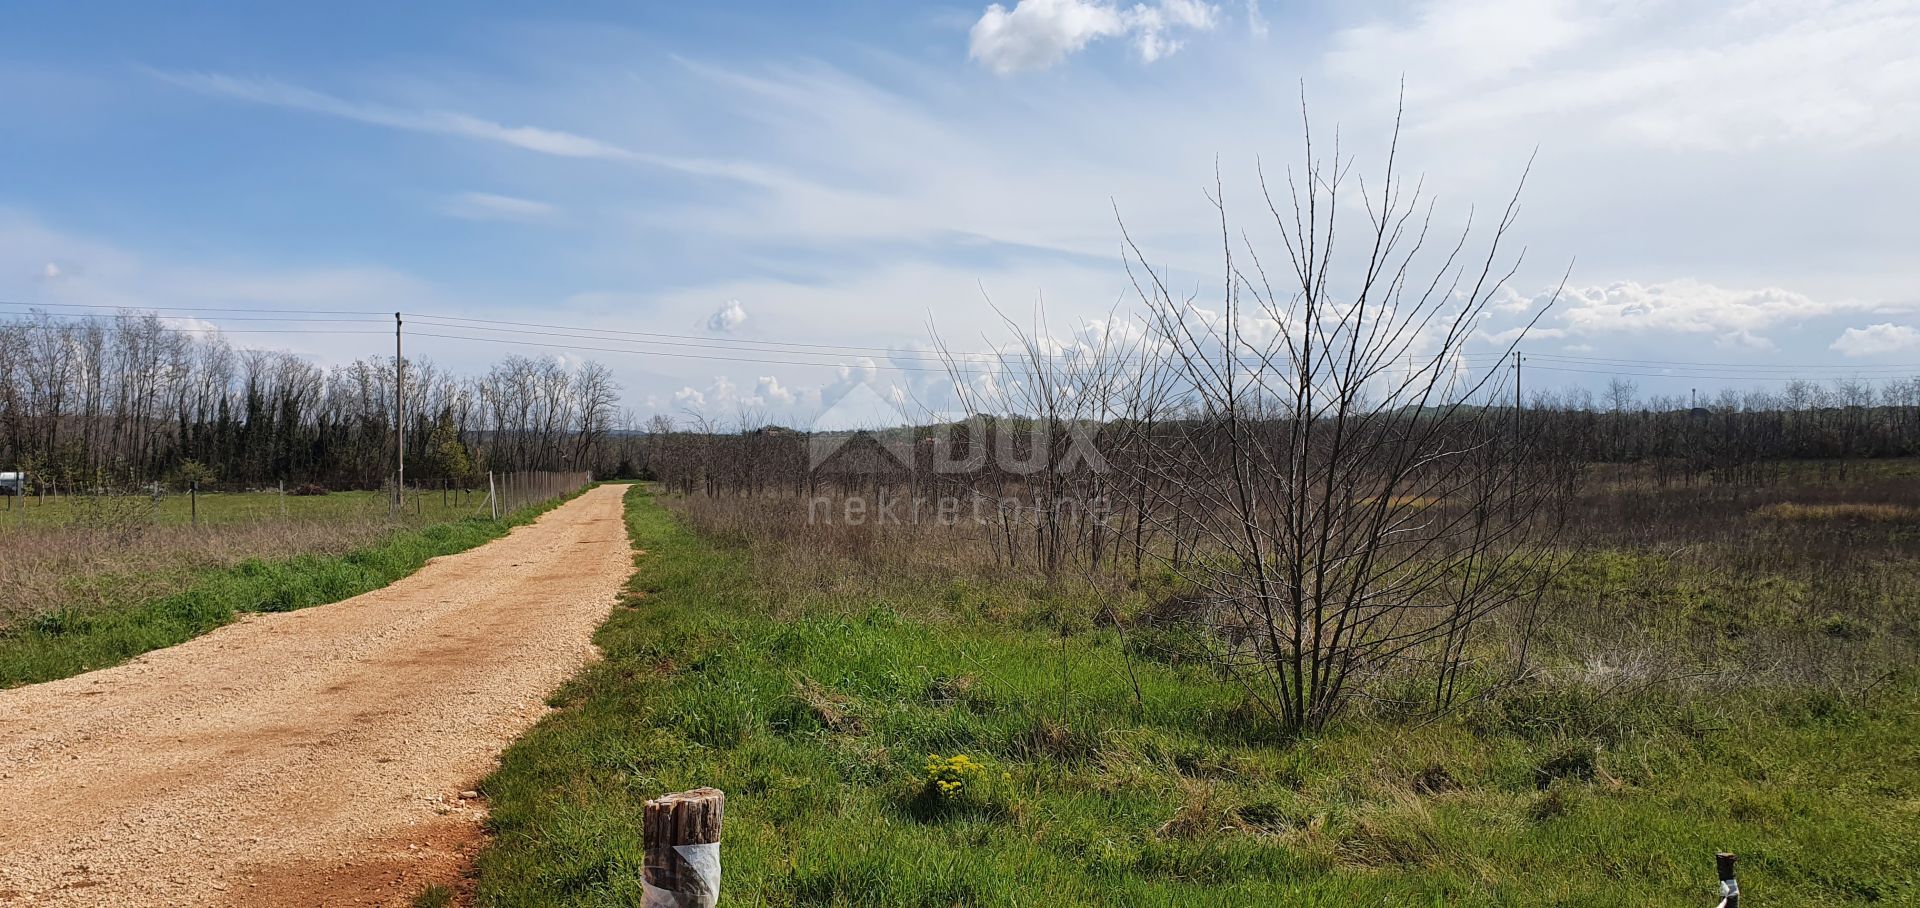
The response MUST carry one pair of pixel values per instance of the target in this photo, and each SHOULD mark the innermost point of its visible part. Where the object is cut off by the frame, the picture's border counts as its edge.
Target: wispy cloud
(487, 206)
(441, 122)
(554, 142)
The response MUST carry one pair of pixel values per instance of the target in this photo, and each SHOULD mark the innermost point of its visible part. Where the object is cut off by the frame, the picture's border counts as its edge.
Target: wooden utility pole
(682, 867)
(399, 421)
(1516, 391)
(1513, 483)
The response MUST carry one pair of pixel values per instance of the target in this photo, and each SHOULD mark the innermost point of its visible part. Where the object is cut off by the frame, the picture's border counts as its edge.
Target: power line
(191, 309)
(801, 353)
(1683, 364)
(656, 338)
(1627, 374)
(930, 357)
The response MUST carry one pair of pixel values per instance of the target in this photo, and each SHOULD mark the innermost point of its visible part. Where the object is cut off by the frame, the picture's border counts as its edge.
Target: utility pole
(1516, 391)
(399, 421)
(1513, 483)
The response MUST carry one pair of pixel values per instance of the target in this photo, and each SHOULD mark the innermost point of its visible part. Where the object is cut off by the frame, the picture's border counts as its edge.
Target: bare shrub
(1354, 503)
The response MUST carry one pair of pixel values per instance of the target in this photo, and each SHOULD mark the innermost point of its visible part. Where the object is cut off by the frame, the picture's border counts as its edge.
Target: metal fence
(32, 501)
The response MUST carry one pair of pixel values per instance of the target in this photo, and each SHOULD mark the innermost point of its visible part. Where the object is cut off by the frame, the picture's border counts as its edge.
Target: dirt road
(314, 757)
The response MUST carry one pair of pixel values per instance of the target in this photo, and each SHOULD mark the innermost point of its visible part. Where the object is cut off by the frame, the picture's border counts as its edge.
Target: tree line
(128, 400)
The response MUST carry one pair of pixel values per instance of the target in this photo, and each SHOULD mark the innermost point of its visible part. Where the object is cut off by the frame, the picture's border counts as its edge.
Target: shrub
(960, 785)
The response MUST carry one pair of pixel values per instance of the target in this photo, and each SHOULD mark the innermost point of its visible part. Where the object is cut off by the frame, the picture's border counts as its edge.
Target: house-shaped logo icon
(862, 432)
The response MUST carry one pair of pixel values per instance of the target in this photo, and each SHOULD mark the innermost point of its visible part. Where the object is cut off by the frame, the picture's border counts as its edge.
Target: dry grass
(1843, 511)
(100, 564)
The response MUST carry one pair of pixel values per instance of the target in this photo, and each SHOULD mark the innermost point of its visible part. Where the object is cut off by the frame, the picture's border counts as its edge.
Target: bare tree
(1361, 509)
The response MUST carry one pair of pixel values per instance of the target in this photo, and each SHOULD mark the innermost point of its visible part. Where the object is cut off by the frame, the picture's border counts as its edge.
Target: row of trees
(127, 400)
(1732, 438)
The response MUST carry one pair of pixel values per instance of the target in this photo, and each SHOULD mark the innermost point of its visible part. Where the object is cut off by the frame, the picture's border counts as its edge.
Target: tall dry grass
(1811, 581)
(103, 562)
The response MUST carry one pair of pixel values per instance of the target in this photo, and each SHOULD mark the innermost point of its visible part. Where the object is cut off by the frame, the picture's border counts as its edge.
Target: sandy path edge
(313, 757)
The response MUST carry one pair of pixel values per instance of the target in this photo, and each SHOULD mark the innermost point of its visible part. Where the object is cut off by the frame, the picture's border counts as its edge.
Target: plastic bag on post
(704, 891)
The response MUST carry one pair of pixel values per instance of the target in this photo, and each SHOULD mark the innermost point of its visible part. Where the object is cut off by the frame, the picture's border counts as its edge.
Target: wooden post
(683, 849)
(283, 498)
(193, 501)
(492, 497)
(1729, 888)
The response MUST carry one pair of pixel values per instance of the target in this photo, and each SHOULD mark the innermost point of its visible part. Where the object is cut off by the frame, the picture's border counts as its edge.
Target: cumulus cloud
(1733, 317)
(722, 398)
(1038, 34)
(1877, 340)
(727, 317)
(770, 392)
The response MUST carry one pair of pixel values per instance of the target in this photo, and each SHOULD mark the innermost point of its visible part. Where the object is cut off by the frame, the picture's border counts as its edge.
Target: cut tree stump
(683, 849)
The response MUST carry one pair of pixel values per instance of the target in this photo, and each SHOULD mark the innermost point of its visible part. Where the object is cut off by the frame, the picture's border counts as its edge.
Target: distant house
(12, 483)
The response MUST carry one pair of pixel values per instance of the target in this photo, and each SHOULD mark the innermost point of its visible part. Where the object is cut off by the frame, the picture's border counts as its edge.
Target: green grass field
(175, 508)
(118, 621)
(818, 712)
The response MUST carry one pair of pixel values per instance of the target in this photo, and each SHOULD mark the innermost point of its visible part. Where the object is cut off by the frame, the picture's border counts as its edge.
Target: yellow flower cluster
(950, 775)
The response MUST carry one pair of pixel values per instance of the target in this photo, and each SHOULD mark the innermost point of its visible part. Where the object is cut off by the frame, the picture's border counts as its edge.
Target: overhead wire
(803, 353)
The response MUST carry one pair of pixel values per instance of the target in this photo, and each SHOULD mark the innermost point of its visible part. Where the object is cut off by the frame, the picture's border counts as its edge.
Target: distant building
(12, 483)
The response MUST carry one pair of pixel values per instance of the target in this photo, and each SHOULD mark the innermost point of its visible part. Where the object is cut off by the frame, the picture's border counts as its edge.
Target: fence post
(493, 498)
(1729, 887)
(682, 868)
(193, 501)
(283, 498)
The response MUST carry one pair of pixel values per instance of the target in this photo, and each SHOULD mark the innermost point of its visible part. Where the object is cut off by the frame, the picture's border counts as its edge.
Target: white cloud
(1038, 34)
(1256, 20)
(281, 94)
(1733, 316)
(486, 206)
(554, 142)
(771, 392)
(50, 272)
(1877, 340)
(1719, 77)
(727, 317)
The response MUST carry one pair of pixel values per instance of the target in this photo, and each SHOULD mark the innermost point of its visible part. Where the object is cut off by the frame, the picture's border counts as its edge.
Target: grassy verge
(30, 512)
(818, 713)
(60, 644)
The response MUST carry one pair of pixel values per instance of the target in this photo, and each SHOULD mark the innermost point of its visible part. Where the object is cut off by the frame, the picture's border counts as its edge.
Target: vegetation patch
(62, 642)
(1006, 754)
(1856, 511)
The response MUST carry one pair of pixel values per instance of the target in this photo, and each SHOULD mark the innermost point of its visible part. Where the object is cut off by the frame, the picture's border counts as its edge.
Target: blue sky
(1730, 183)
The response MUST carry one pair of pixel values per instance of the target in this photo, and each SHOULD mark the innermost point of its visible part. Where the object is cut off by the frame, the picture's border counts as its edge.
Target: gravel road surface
(315, 757)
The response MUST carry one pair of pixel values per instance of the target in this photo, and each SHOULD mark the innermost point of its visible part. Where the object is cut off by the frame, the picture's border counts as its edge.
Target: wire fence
(28, 502)
(513, 490)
